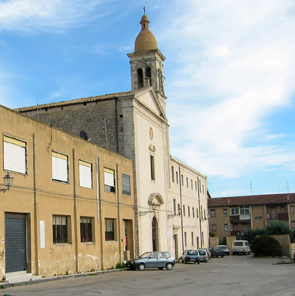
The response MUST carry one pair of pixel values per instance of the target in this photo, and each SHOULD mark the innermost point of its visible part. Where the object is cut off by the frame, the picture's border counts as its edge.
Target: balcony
(240, 219)
(235, 232)
(278, 216)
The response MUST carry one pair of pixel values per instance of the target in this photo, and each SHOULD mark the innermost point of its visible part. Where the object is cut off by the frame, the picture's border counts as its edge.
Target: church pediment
(148, 98)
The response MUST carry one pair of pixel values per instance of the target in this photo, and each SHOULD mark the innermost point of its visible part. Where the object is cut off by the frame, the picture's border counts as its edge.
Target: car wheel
(169, 266)
(221, 256)
(199, 262)
(206, 261)
(182, 261)
(161, 268)
(141, 267)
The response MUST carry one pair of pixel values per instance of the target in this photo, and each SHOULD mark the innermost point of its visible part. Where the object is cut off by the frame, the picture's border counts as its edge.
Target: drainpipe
(118, 214)
(97, 183)
(200, 212)
(75, 212)
(288, 207)
(100, 217)
(116, 123)
(181, 209)
(35, 208)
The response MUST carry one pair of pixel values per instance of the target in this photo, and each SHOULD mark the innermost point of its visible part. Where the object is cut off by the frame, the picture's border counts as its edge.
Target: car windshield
(192, 252)
(144, 255)
(202, 252)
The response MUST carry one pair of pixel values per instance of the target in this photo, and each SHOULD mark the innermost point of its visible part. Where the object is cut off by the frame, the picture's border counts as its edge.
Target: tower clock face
(151, 133)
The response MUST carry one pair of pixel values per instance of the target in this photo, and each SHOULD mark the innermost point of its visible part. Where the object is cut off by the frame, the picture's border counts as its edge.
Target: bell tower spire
(147, 62)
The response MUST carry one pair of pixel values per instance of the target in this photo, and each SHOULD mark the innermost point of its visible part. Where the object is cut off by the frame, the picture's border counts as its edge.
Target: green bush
(292, 236)
(266, 245)
(223, 241)
(120, 265)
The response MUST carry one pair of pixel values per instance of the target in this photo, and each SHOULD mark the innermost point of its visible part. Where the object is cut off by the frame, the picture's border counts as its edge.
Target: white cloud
(236, 61)
(35, 15)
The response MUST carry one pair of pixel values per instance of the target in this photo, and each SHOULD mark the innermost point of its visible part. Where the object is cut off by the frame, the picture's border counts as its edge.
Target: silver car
(152, 260)
(204, 256)
(208, 251)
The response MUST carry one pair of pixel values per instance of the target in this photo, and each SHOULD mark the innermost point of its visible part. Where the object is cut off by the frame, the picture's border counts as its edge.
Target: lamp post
(143, 213)
(8, 180)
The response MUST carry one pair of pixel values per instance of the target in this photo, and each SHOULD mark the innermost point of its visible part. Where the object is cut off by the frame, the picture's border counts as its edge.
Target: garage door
(15, 242)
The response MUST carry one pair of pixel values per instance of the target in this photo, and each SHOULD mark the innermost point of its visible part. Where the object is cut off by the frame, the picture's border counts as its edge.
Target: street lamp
(143, 213)
(8, 180)
(178, 214)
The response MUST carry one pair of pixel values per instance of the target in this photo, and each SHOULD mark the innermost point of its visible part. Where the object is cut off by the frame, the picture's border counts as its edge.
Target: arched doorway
(155, 234)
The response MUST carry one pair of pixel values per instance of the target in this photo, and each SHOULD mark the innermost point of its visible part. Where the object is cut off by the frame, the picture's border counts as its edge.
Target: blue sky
(229, 70)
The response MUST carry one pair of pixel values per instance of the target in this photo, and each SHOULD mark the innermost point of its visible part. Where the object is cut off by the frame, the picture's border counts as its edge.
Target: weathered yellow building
(71, 206)
(232, 216)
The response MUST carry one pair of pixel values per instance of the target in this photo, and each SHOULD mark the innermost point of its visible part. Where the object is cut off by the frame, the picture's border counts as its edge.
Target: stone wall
(214, 241)
(101, 120)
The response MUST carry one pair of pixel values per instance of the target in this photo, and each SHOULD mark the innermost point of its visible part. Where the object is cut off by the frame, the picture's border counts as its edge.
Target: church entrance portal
(155, 234)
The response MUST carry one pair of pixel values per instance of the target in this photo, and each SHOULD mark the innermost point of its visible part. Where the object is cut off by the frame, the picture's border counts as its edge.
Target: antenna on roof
(251, 187)
(287, 186)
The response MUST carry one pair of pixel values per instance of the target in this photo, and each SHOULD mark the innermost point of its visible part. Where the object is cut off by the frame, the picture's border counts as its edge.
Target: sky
(229, 75)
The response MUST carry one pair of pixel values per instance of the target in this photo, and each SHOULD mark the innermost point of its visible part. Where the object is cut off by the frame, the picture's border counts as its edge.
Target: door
(155, 234)
(15, 242)
(152, 260)
(175, 245)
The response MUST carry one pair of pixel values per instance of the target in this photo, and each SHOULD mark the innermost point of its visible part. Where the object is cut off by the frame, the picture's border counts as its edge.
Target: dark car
(190, 256)
(217, 251)
(152, 260)
(224, 249)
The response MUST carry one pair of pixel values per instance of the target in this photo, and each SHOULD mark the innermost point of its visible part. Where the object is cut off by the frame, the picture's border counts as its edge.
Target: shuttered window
(109, 180)
(60, 229)
(109, 229)
(86, 229)
(85, 174)
(60, 167)
(15, 155)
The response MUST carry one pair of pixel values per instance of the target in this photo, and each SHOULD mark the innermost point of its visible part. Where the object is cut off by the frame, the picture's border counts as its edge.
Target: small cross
(144, 10)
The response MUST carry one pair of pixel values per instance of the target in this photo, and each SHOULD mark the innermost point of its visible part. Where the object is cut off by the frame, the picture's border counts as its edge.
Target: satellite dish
(83, 135)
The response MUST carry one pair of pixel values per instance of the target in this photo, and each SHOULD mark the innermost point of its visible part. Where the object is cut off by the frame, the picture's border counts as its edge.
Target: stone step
(20, 276)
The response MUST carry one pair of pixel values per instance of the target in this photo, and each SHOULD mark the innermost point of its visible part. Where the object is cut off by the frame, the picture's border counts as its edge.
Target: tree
(278, 227)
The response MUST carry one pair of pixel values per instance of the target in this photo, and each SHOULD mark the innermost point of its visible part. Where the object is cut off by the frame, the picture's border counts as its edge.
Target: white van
(241, 246)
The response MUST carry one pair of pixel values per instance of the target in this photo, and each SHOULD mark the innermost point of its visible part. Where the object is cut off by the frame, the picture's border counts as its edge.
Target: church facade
(170, 210)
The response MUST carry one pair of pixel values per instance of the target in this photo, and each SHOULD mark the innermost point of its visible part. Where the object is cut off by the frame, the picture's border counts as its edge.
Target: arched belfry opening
(140, 78)
(148, 74)
(155, 239)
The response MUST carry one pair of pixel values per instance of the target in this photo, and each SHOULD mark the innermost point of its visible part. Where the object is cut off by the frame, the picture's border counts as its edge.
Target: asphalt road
(233, 275)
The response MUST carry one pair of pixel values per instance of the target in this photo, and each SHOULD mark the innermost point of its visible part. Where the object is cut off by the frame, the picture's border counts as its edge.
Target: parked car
(190, 256)
(208, 251)
(241, 246)
(152, 260)
(217, 251)
(225, 249)
(204, 256)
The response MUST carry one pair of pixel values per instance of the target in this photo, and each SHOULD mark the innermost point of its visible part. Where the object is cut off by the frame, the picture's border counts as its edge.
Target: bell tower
(147, 63)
